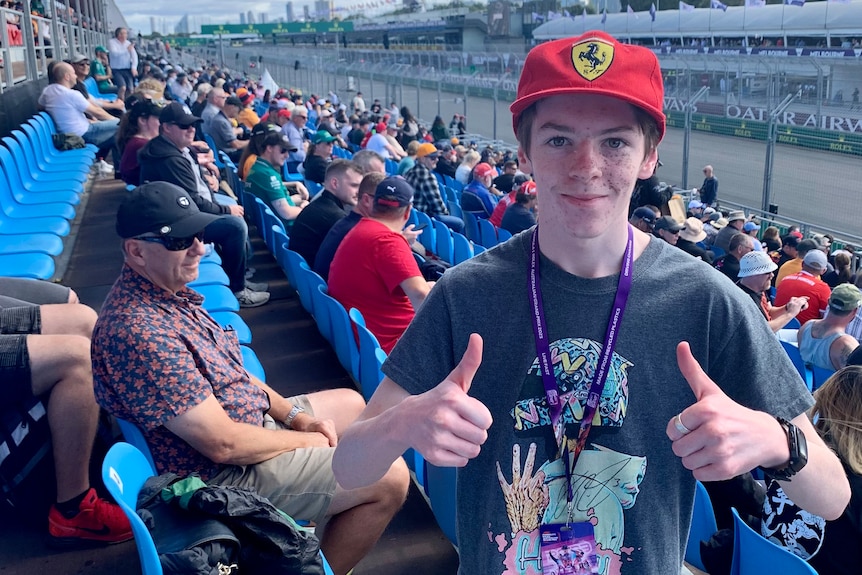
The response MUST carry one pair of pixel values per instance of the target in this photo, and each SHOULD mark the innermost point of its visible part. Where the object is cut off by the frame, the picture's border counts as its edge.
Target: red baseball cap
(483, 169)
(592, 63)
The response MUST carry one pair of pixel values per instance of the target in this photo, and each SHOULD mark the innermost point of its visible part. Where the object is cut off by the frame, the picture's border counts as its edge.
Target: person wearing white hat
(735, 221)
(755, 278)
(690, 235)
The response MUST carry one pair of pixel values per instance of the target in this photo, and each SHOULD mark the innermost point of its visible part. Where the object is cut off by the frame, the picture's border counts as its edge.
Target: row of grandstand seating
(34, 216)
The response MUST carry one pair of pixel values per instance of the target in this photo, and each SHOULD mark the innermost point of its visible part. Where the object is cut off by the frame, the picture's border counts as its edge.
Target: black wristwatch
(798, 453)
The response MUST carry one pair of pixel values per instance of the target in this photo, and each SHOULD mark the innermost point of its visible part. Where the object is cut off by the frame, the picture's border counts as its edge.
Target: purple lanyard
(540, 330)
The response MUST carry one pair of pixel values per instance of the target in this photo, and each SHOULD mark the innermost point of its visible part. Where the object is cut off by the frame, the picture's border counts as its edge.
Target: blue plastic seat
(455, 209)
(391, 167)
(217, 298)
(209, 274)
(93, 88)
(471, 227)
(798, 363)
(16, 190)
(370, 375)
(428, 237)
(125, 469)
(478, 249)
(793, 323)
(41, 243)
(28, 162)
(25, 226)
(313, 188)
(308, 282)
(47, 161)
(49, 128)
(341, 333)
(295, 274)
(702, 526)
(441, 487)
(755, 555)
(229, 319)
(487, 233)
(819, 376)
(503, 235)
(34, 179)
(217, 160)
(251, 363)
(462, 248)
(134, 436)
(444, 244)
(32, 265)
(124, 472)
(85, 155)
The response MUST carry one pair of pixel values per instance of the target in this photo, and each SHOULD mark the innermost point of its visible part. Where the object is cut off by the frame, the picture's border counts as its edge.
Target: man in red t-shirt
(374, 270)
(807, 283)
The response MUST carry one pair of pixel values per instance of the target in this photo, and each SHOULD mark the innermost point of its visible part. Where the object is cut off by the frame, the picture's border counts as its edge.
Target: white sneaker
(256, 286)
(104, 167)
(248, 298)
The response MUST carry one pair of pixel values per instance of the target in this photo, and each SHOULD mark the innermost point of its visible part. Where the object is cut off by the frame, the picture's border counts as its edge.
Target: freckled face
(586, 153)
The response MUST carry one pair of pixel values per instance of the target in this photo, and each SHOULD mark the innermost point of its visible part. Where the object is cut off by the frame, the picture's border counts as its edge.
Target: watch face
(798, 456)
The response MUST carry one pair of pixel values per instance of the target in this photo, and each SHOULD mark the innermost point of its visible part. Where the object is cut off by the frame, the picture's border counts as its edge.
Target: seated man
(45, 355)
(374, 270)
(824, 342)
(81, 65)
(807, 283)
(728, 264)
(429, 197)
(168, 158)
(667, 228)
(340, 189)
(478, 196)
(217, 117)
(264, 178)
(755, 276)
(70, 111)
(644, 218)
(161, 362)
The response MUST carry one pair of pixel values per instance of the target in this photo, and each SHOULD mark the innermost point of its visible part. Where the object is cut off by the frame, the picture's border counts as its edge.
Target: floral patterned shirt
(156, 355)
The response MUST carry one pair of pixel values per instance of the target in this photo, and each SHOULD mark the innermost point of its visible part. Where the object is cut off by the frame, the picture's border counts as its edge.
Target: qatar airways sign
(832, 122)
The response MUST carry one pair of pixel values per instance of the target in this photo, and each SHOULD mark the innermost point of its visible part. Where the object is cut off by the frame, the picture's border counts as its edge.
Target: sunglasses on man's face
(173, 244)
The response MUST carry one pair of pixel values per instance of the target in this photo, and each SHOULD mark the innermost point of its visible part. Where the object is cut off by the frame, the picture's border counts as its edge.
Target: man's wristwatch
(798, 453)
(288, 421)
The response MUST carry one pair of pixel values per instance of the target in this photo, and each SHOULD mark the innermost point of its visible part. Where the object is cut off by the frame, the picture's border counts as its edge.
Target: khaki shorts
(299, 482)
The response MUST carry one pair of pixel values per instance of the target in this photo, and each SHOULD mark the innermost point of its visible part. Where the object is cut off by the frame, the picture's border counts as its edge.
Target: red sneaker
(97, 522)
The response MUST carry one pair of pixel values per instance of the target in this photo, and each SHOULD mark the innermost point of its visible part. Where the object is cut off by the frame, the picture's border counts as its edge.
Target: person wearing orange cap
(581, 405)
(428, 197)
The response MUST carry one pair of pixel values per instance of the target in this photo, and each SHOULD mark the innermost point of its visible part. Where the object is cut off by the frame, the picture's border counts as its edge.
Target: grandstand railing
(28, 47)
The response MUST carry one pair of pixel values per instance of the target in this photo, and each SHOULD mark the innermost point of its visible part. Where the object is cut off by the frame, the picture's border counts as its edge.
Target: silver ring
(680, 426)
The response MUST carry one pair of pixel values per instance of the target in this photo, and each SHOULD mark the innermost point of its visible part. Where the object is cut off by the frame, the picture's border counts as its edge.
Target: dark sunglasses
(173, 244)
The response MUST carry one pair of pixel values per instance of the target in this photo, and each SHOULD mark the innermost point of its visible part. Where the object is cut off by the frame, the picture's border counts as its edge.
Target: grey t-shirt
(627, 481)
(219, 127)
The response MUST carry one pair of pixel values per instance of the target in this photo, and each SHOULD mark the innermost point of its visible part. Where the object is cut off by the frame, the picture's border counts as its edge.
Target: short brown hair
(339, 167)
(646, 123)
(369, 183)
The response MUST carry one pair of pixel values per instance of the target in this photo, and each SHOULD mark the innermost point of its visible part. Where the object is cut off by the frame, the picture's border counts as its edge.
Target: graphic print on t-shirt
(605, 482)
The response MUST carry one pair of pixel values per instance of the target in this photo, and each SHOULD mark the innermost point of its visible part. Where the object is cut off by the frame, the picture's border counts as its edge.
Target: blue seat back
(305, 289)
(717, 251)
(455, 209)
(755, 555)
(503, 235)
(462, 248)
(295, 275)
(798, 363)
(427, 237)
(251, 363)
(793, 323)
(134, 436)
(441, 487)
(471, 227)
(370, 375)
(819, 376)
(313, 188)
(444, 245)
(702, 525)
(322, 310)
(124, 471)
(93, 88)
(342, 335)
(487, 233)
(391, 167)
(211, 143)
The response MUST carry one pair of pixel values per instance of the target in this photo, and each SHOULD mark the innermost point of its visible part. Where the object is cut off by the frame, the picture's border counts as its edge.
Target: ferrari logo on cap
(592, 58)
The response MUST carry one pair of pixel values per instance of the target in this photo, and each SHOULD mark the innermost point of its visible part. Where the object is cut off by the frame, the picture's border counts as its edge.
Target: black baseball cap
(278, 139)
(646, 215)
(160, 208)
(393, 191)
(233, 101)
(668, 223)
(179, 114)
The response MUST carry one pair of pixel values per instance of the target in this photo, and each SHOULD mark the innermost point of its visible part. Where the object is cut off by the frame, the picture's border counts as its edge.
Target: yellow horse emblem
(592, 58)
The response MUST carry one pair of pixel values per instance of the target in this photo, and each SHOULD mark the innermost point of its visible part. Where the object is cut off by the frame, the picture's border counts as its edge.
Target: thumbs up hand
(717, 438)
(445, 424)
